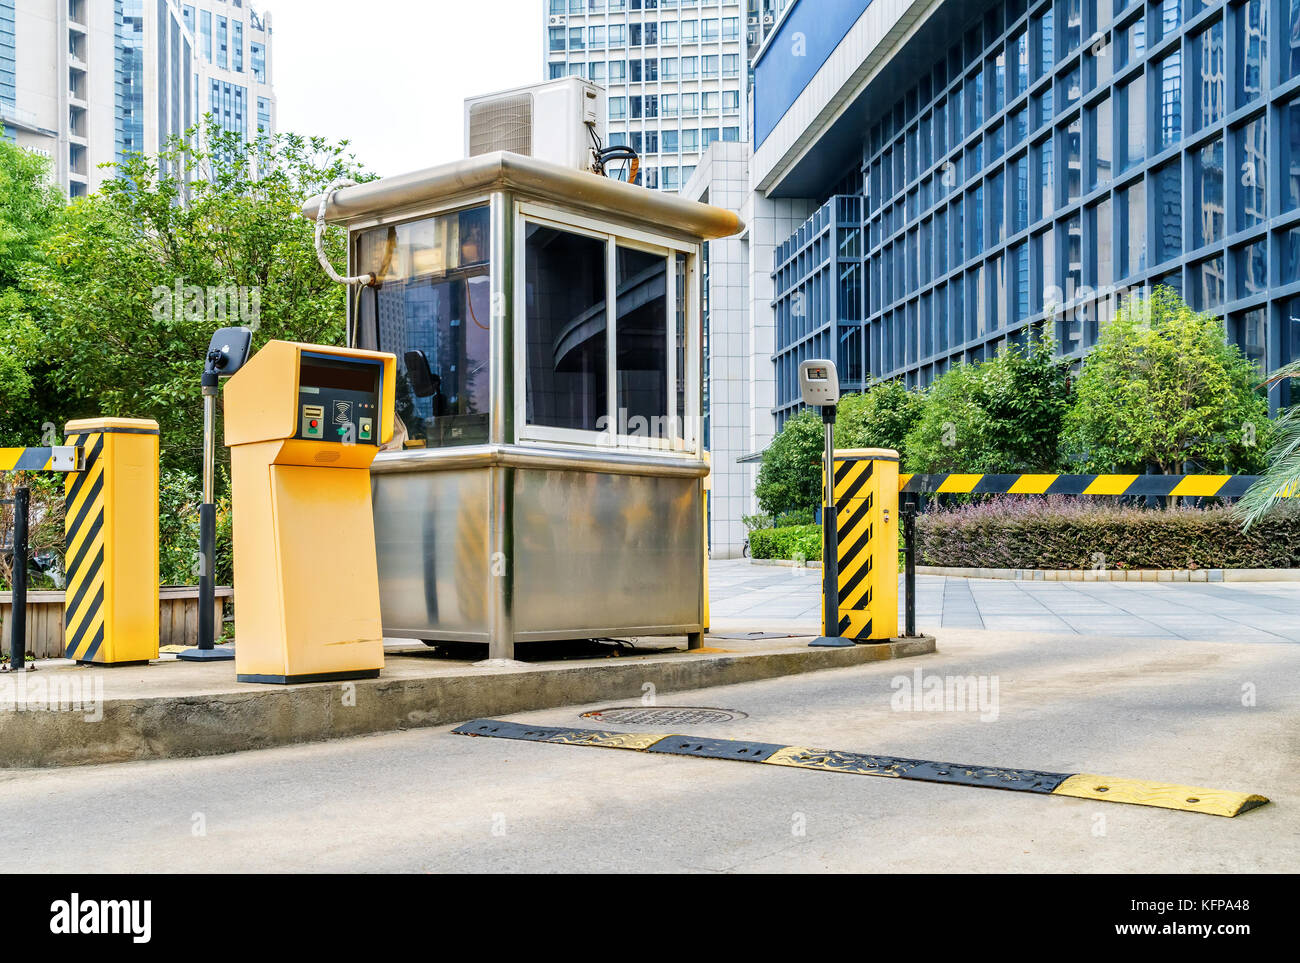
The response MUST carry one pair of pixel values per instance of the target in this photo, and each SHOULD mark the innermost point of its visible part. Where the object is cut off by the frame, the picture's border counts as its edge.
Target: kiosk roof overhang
(533, 179)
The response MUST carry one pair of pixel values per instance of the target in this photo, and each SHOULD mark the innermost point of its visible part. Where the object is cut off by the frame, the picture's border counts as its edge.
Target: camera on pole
(819, 385)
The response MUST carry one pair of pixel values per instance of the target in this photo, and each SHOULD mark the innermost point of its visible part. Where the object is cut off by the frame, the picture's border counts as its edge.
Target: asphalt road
(1214, 714)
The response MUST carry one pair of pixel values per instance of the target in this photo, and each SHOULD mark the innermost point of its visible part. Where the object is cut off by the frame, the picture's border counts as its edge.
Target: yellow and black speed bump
(1138, 792)
(1223, 486)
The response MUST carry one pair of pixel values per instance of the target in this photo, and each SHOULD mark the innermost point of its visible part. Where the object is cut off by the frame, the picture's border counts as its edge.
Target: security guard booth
(866, 508)
(111, 532)
(548, 479)
(303, 423)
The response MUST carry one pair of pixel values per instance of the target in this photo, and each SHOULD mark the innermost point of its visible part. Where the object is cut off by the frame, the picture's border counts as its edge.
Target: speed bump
(1137, 792)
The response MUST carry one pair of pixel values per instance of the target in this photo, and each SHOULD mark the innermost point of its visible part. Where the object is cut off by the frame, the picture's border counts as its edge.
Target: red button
(313, 424)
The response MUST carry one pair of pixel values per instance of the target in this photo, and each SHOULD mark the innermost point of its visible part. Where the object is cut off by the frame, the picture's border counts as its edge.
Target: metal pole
(18, 614)
(909, 563)
(830, 543)
(207, 649)
(208, 522)
(830, 636)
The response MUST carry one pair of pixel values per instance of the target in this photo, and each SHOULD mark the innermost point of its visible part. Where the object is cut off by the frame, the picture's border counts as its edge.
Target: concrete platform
(65, 714)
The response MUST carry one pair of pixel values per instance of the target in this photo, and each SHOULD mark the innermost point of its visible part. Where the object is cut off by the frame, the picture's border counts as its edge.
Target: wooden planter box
(178, 618)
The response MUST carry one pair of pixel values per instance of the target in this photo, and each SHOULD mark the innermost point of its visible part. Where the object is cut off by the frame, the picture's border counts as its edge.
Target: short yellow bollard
(111, 528)
(866, 507)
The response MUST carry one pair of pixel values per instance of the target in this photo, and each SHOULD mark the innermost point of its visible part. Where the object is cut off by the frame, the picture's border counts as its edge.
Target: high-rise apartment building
(674, 70)
(86, 82)
(232, 44)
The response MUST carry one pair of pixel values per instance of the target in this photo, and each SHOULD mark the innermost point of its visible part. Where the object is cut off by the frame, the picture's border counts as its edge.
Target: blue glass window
(1168, 196)
(1133, 97)
(1252, 269)
(1291, 39)
(1291, 161)
(1207, 193)
(1133, 253)
(1170, 71)
(1253, 17)
(1210, 78)
(1252, 162)
(1103, 144)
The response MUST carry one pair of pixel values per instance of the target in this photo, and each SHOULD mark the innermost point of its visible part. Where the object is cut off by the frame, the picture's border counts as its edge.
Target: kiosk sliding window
(595, 374)
(431, 307)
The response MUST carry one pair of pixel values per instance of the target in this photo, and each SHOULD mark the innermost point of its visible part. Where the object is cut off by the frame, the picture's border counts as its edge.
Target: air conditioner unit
(552, 121)
(555, 21)
(768, 20)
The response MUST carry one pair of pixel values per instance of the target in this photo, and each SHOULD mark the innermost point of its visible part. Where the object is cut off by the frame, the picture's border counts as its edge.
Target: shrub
(1059, 533)
(789, 478)
(179, 496)
(793, 541)
(879, 417)
(1001, 415)
(44, 529)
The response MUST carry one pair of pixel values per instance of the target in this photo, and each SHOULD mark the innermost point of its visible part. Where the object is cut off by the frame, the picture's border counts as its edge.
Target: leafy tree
(29, 204)
(1026, 394)
(1164, 388)
(789, 478)
(1002, 415)
(879, 417)
(139, 276)
(950, 434)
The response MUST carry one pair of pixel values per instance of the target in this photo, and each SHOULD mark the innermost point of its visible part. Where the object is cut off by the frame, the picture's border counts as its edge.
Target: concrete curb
(1119, 575)
(239, 718)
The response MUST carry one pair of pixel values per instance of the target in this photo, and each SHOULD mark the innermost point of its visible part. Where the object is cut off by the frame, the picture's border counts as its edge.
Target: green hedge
(803, 541)
(1064, 534)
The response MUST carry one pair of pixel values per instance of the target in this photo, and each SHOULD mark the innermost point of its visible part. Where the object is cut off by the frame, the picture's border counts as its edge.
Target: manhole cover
(663, 715)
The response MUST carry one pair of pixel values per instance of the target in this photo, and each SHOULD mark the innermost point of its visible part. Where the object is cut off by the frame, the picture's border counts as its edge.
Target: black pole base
(832, 642)
(218, 653)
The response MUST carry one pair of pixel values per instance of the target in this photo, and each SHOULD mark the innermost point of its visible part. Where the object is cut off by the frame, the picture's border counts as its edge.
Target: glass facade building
(1058, 157)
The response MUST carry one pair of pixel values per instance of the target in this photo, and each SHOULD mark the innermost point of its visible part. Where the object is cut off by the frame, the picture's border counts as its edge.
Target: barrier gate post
(111, 527)
(866, 511)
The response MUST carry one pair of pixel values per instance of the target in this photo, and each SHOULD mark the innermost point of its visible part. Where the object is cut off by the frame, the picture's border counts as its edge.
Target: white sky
(391, 76)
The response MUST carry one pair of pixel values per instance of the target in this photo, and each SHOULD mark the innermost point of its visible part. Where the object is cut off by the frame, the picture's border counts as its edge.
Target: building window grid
(888, 228)
(819, 279)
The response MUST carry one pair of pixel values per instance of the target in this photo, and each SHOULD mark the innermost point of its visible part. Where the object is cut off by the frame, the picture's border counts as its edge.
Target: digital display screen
(816, 374)
(340, 377)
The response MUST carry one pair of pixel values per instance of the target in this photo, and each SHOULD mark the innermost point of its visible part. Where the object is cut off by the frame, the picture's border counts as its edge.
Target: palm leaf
(1282, 477)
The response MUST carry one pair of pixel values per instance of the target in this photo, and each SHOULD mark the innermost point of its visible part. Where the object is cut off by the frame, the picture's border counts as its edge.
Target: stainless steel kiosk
(546, 324)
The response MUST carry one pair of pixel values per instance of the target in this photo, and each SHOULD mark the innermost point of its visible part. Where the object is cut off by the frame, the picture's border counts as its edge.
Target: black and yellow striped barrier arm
(1223, 486)
(56, 458)
(1215, 802)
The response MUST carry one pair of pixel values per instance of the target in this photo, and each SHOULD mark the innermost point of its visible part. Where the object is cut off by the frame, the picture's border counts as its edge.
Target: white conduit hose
(361, 279)
(320, 237)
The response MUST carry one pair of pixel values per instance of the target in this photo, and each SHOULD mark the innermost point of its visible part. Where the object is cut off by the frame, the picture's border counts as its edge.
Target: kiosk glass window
(567, 363)
(431, 307)
(608, 353)
(642, 340)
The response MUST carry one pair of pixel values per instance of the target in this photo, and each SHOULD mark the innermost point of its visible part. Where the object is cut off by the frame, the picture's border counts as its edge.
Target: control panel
(338, 399)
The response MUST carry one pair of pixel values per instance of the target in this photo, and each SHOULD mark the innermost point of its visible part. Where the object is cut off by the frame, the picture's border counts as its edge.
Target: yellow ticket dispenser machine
(303, 423)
